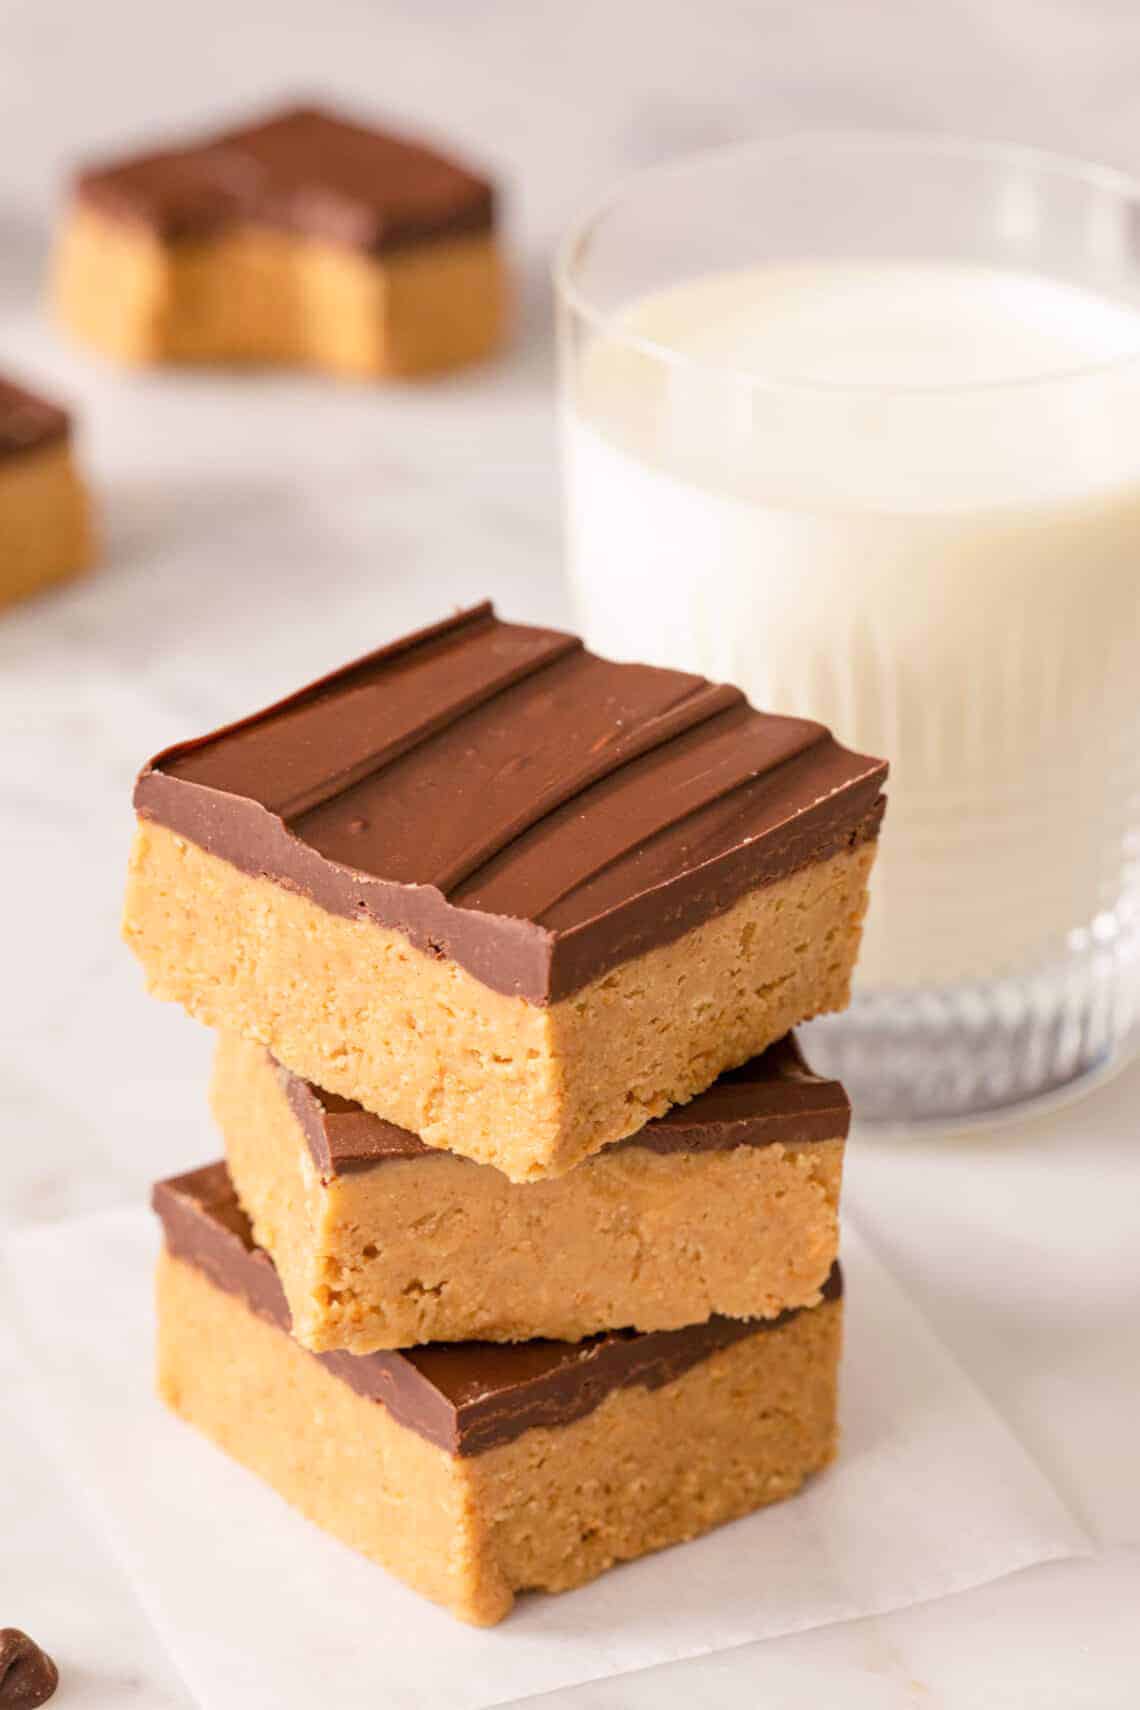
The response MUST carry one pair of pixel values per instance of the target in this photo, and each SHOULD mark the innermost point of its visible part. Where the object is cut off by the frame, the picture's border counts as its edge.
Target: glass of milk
(854, 422)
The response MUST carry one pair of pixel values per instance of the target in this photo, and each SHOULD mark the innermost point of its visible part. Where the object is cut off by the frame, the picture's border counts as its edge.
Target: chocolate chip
(27, 1675)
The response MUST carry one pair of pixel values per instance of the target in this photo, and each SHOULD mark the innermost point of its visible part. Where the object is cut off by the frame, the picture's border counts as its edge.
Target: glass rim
(1053, 162)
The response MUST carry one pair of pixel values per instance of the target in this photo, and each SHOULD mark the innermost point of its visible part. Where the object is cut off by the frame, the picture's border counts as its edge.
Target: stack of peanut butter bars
(522, 1261)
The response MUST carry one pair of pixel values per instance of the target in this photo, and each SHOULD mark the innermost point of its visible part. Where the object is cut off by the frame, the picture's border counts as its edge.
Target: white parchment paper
(261, 1611)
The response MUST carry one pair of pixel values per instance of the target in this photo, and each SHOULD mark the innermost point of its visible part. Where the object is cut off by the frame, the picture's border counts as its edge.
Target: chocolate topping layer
(775, 1097)
(466, 1397)
(302, 171)
(515, 804)
(27, 422)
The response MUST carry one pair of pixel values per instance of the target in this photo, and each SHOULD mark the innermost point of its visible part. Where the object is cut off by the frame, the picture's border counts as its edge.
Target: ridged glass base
(947, 1056)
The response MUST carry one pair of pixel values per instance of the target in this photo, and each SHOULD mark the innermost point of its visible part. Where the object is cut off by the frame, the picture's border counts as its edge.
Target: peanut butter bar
(477, 1470)
(727, 1205)
(512, 897)
(45, 525)
(301, 239)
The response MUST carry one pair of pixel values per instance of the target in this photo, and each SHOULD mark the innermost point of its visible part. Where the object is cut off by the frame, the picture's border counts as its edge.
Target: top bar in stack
(511, 896)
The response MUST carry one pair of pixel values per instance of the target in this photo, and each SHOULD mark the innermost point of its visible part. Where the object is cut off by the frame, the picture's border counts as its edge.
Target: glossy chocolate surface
(466, 1397)
(303, 171)
(774, 1098)
(508, 801)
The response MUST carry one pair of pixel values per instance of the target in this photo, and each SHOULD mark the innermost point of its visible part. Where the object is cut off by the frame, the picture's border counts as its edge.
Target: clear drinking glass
(855, 422)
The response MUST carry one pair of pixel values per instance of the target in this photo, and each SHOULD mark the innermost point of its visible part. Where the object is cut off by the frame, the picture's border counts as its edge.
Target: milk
(918, 520)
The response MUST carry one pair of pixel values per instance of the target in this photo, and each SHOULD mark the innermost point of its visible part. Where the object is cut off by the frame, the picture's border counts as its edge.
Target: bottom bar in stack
(476, 1470)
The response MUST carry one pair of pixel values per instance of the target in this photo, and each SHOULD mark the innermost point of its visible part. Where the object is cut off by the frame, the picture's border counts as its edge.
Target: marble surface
(260, 530)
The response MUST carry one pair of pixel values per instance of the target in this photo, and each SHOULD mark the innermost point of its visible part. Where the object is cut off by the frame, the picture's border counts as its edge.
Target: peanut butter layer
(468, 1397)
(725, 1206)
(477, 1472)
(775, 1097)
(530, 1089)
(266, 297)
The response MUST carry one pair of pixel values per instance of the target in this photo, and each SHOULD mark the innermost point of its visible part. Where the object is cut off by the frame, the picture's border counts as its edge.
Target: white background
(258, 531)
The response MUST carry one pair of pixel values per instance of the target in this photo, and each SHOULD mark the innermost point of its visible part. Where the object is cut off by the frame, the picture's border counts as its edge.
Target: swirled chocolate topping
(304, 171)
(510, 802)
